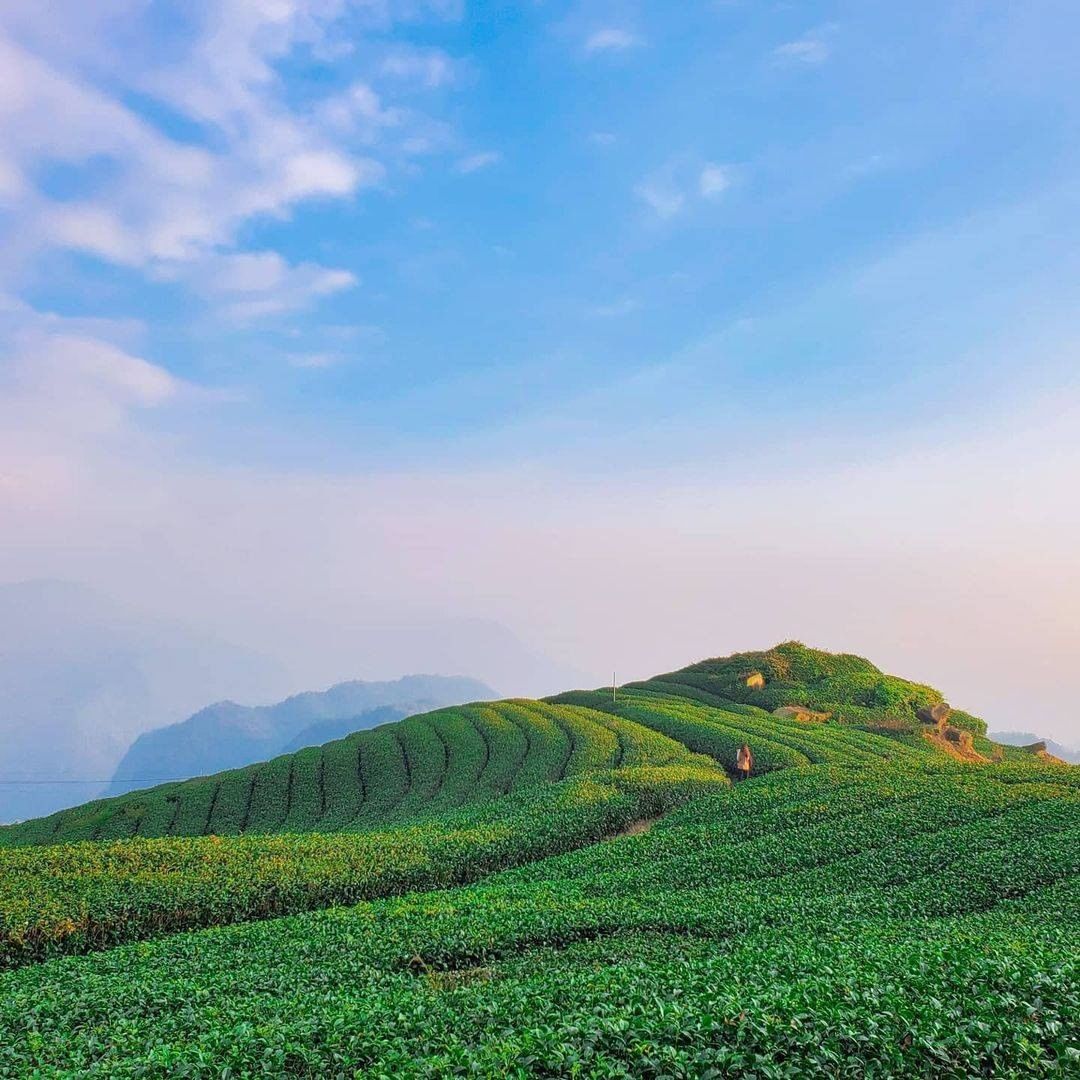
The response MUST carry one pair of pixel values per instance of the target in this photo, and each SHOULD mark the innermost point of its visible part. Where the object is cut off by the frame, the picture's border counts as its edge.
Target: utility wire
(126, 780)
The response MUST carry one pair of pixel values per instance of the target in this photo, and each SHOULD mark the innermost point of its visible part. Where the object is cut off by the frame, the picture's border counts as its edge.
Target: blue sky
(548, 266)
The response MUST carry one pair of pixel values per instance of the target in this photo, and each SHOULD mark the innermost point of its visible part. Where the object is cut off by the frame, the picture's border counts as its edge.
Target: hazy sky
(649, 330)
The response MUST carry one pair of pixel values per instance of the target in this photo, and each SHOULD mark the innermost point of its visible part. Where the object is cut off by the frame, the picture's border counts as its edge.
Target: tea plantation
(426, 764)
(574, 887)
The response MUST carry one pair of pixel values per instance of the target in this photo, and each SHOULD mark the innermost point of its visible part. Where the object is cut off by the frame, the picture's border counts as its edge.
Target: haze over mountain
(81, 676)
(227, 735)
(327, 730)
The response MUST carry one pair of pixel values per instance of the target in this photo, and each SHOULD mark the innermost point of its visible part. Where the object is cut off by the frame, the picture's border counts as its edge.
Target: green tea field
(584, 886)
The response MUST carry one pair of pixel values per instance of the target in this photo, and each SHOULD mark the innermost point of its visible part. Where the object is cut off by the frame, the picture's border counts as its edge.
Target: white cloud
(63, 381)
(314, 361)
(165, 199)
(12, 184)
(682, 184)
(428, 68)
(248, 285)
(474, 162)
(602, 138)
(122, 377)
(360, 111)
(90, 228)
(610, 39)
(809, 50)
(714, 180)
(662, 196)
(247, 150)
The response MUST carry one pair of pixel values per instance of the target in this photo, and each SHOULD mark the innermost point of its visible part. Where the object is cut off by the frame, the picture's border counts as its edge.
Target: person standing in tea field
(744, 761)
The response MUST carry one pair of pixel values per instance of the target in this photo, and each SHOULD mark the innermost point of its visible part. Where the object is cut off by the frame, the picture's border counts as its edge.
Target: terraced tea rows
(864, 905)
(851, 920)
(719, 730)
(465, 756)
(425, 765)
(86, 896)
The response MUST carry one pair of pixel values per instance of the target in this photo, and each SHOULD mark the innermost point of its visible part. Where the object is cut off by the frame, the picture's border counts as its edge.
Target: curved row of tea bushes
(92, 895)
(398, 772)
(919, 923)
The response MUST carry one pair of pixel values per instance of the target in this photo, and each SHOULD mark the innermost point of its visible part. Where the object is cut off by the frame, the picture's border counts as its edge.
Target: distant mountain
(323, 731)
(390, 643)
(81, 676)
(1026, 738)
(227, 735)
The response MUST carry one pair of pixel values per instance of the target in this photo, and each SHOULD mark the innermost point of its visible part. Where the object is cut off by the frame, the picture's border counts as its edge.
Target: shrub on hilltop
(849, 687)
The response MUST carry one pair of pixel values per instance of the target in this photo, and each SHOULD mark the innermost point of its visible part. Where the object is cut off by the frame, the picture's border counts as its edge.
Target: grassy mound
(848, 687)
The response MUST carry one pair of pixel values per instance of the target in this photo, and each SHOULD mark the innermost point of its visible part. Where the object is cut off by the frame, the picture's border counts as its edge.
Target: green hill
(396, 772)
(466, 755)
(571, 887)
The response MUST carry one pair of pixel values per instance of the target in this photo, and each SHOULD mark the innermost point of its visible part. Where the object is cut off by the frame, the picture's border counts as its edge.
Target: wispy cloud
(68, 380)
(681, 184)
(611, 39)
(248, 149)
(475, 162)
(602, 138)
(359, 110)
(166, 200)
(428, 68)
(250, 285)
(714, 180)
(810, 50)
(314, 361)
(661, 196)
(616, 308)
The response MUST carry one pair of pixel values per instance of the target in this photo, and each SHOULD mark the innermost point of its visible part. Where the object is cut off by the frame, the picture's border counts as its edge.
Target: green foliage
(864, 905)
(916, 919)
(398, 772)
(967, 722)
(849, 687)
(81, 897)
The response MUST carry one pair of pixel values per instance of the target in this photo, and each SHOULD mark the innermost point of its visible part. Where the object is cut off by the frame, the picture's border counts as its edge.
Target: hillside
(324, 731)
(577, 886)
(425, 764)
(448, 758)
(228, 735)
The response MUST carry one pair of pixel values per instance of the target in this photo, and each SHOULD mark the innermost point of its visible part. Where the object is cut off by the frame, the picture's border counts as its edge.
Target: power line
(132, 780)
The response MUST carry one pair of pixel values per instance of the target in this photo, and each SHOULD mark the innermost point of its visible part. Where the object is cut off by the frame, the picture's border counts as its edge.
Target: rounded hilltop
(845, 687)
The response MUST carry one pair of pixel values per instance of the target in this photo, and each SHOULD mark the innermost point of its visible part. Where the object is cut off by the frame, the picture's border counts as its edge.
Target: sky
(648, 331)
